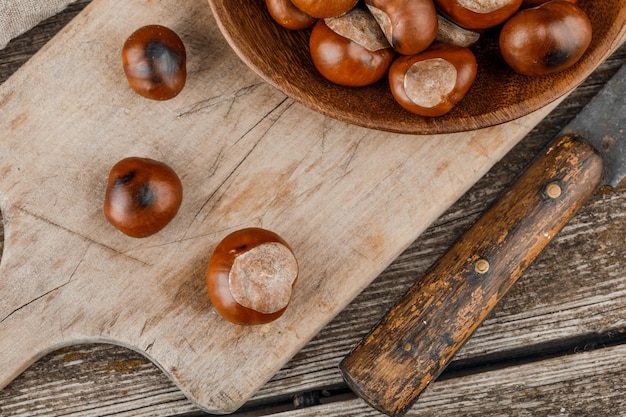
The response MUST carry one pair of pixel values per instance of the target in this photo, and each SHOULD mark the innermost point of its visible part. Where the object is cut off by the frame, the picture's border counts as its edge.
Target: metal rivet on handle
(482, 266)
(553, 190)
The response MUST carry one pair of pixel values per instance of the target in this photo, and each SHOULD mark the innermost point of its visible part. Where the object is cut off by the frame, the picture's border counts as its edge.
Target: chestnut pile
(424, 46)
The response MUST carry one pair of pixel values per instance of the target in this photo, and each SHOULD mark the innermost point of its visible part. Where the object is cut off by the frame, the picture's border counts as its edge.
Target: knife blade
(414, 342)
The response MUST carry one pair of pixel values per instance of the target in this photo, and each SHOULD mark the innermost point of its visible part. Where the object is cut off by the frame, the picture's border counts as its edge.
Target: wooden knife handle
(418, 337)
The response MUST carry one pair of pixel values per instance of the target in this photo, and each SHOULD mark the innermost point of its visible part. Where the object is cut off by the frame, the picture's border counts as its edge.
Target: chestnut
(323, 9)
(534, 3)
(472, 14)
(155, 62)
(289, 16)
(432, 82)
(409, 25)
(250, 276)
(350, 50)
(142, 196)
(545, 39)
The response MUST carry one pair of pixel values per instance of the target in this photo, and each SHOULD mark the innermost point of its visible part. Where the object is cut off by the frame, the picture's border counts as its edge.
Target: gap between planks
(594, 367)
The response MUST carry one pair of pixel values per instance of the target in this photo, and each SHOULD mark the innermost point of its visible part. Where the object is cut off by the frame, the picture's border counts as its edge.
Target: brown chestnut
(289, 16)
(142, 196)
(323, 9)
(409, 25)
(155, 62)
(481, 14)
(350, 50)
(534, 3)
(250, 276)
(432, 82)
(545, 39)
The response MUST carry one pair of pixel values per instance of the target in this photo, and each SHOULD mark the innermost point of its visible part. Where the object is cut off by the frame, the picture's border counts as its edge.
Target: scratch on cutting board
(42, 295)
(32, 301)
(86, 238)
(69, 280)
(216, 163)
(351, 154)
(150, 346)
(218, 100)
(240, 163)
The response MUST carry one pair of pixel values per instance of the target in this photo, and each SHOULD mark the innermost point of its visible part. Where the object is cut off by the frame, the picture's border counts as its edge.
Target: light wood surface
(572, 299)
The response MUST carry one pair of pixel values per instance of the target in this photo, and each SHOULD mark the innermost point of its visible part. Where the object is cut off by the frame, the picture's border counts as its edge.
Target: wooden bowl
(281, 57)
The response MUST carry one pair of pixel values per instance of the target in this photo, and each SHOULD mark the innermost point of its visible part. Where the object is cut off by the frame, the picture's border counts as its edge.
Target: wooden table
(555, 346)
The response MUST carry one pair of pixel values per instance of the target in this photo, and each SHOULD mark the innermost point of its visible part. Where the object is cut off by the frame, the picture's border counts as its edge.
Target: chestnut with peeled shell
(155, 62)
(250, 276)
(409, 25)
(350, 50)
(545, 39)
(323, 9)
(142, 196)
(289, 16)
(432, 82)
(478, 14)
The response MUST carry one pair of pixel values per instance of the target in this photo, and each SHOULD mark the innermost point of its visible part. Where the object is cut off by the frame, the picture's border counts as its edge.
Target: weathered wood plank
(66, 390)
(584, 384)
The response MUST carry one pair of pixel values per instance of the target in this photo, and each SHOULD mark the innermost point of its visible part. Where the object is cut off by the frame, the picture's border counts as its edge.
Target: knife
(413, 343)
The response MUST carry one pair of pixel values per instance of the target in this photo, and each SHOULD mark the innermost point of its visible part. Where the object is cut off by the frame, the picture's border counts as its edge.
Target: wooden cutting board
(347, 199)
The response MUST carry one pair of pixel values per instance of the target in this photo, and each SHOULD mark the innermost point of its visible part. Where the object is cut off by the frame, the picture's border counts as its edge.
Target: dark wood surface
(555, 345)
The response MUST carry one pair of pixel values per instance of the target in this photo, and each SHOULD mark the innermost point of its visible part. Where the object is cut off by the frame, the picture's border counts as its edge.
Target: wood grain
(418, 337)
(571, 299)
(347, 199)
(564, 386)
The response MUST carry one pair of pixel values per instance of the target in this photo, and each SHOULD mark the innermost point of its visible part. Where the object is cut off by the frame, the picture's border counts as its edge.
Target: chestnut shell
(457, 11)
(142, 196)
(218, 271)
(534, 3)
(545, 39)
(410, 25)
(460, 57)
(324, 9)
(289, 16)
(155, 62)
(343, 61)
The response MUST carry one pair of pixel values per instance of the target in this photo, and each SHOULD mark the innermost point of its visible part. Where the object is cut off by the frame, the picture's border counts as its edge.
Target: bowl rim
(616, 35)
